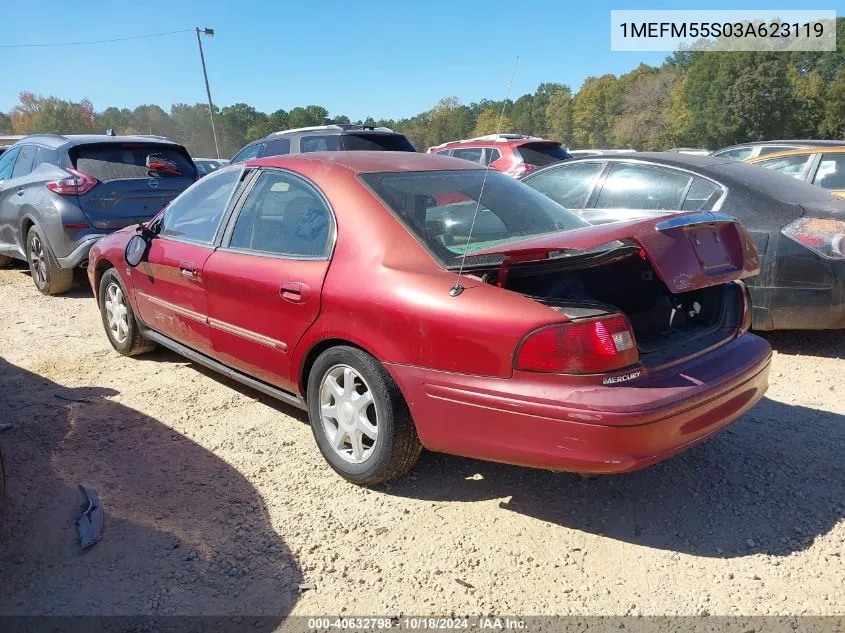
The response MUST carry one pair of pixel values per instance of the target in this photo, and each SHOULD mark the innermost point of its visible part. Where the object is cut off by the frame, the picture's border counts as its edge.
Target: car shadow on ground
(162, 355)
(821, 343)
(185, 533)
(770, 484)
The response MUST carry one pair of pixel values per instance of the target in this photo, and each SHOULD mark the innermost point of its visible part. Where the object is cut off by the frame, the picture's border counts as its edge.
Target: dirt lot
(217, 501)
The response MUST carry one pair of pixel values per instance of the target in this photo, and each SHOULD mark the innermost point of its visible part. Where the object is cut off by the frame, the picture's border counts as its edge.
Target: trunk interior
(666, 326)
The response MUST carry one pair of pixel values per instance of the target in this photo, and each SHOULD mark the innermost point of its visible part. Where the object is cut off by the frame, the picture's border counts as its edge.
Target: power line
(117, 39)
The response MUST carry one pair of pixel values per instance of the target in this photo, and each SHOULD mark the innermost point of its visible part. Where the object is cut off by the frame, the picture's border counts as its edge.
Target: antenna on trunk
(457, 289)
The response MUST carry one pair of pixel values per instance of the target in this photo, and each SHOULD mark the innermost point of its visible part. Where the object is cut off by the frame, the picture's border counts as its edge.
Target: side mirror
(136, 250)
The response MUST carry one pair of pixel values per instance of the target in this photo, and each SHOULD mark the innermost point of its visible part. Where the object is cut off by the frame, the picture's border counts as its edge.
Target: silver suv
(60, 194)
(326, 138)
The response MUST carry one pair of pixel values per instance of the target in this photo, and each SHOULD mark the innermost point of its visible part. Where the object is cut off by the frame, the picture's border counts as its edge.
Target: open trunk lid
(127, 190)
(687, 251)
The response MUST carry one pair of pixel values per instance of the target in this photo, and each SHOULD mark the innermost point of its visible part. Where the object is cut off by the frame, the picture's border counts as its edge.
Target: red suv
(514, 154)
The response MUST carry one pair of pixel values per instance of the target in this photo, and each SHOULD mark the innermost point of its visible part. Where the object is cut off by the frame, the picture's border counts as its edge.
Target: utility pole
(209, 33)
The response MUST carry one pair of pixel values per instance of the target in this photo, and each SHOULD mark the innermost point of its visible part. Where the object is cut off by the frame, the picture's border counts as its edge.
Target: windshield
(438, 208)
(377, 141)
(542, 154)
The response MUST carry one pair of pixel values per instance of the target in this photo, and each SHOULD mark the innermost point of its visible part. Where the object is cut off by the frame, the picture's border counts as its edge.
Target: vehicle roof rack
(334, 126)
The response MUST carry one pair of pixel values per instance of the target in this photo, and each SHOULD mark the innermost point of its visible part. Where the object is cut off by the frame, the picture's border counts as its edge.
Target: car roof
(803, 151)
(370, 161)
(335, 128)
(494, 140)
(802, 142)
(729, 172)
(56, 141)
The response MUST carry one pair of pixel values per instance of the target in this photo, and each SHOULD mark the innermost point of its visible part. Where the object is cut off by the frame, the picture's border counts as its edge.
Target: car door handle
(188, 270)
(294, 291)
(20, 192)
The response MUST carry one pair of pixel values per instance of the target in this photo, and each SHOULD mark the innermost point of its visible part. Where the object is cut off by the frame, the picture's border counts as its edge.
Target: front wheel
(119, 319)
(359, 418)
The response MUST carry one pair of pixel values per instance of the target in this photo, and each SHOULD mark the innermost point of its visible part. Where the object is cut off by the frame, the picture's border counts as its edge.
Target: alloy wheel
(37, 260)
(117, 313)
(348, 414)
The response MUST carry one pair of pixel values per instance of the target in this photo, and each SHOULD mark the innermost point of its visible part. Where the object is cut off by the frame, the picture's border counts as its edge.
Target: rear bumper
(799, 308)
(80, 252)
(540, 420)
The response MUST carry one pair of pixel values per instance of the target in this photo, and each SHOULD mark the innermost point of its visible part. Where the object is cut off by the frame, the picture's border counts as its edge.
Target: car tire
(49, 277)
(5, 260)
(119, 319)
(387, 444)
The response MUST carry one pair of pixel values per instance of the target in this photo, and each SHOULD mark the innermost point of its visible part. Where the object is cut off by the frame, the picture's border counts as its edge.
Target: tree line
(695, 98)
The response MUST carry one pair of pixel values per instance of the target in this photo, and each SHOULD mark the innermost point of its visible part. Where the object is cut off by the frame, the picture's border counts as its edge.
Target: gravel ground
(218, 502)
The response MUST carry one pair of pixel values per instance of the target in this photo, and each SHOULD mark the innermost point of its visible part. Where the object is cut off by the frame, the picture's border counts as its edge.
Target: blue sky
(379, 58)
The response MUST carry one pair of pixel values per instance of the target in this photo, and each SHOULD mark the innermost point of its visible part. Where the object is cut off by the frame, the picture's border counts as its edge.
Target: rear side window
(276, 147)
(831, 172)
(26, 157)
(196, 214)
(116, 161)
(492, 156)
(632, 186)
(542, 154)
(469, 153)
(385, 142)
(700, 194)
(283, 215)
(795, 166)
(568, 185)
(44, 156)
(319, 143)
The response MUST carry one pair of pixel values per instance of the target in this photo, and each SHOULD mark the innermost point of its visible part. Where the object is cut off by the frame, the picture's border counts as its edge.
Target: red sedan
(410, 300)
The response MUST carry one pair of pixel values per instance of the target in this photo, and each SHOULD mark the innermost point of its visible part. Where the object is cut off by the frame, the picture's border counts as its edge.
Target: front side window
(7, 162)
(795, 166)
(23, 165)
(737, 153)
(569, 185)
(831, 172)
(247, 153)
(196, 213)
(283, 215)
(634, 186)
(438, 207)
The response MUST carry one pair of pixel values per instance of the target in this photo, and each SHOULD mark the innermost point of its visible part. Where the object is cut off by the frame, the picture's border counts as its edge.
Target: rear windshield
(542, 154)
(386, 142)
(113, 161)
(438, 207)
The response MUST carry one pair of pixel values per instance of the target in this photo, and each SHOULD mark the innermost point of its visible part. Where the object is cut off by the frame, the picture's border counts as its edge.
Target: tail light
(581, 347)
(520, 169)
(825, 237)
(74, 185)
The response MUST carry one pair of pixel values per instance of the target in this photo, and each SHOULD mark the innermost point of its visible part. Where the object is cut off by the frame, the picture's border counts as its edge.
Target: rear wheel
(49, 277)
(119, 319)
(360, 421)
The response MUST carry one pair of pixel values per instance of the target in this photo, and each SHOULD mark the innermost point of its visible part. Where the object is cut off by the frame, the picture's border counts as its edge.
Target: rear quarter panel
(385, 293)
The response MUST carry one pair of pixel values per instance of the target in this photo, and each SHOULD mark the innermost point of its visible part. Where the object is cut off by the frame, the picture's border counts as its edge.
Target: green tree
(644, 116)
(593, 110)
(491, 122)
(5, 123)
(559, 116)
